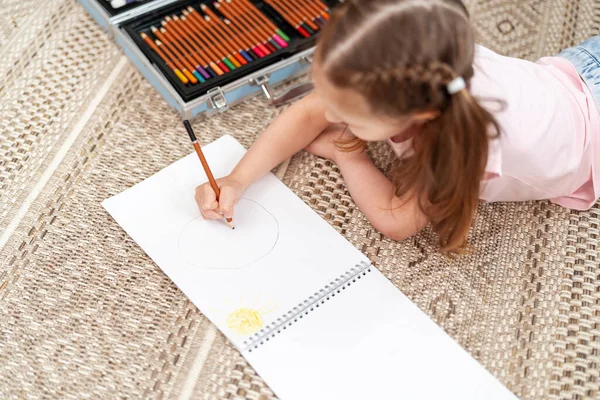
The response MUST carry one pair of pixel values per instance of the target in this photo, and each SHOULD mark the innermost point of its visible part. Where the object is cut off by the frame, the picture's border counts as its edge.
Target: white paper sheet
(371, 342)
(368, 342)
(279, 253)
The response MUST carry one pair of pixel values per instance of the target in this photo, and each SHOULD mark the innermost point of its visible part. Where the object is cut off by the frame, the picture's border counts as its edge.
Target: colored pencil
(245, 20)
(243, 47)
(261, 19)
(321, 8)
(297, 13)
(242, 24)
(232, 26)
(224, 36)
(221, 53)
(266, 20)
(206, 70)
(204, 43)
(172, 52)
(173, 64)
(197, 29)
(259, 25)
(218, 66)
(237, 25)
(207, 171)
(178, 52)
(306, 9)
(308, 25)
(290, 20)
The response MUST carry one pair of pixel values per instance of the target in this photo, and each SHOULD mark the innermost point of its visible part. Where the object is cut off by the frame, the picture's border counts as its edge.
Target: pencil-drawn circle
(212, 244)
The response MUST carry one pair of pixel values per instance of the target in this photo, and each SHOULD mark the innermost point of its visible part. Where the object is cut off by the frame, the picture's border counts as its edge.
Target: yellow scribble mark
(245, 321)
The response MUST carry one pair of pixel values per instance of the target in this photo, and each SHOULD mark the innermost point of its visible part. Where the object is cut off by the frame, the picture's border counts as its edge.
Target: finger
(211, 215)
(226, 202)
(207, 194)
(212, 206)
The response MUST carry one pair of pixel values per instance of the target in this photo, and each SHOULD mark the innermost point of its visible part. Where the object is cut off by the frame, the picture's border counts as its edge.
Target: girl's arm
(289, 133)
(395, 217)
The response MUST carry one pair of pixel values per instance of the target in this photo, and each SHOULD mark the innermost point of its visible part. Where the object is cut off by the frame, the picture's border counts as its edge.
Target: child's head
(383, 66)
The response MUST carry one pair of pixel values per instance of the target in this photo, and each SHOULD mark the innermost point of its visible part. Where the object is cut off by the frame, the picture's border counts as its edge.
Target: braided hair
(401, 55)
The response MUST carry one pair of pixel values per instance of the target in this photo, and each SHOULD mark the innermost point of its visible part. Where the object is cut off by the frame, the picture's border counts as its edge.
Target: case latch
(289, 95)
(217, 99)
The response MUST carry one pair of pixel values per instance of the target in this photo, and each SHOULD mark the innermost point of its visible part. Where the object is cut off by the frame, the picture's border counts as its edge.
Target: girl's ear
(425, 116)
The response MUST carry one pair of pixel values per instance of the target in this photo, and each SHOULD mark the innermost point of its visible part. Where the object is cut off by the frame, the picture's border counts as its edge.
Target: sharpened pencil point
(231, 225)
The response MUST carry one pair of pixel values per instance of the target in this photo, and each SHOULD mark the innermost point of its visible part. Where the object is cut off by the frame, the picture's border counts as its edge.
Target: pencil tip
(231, 225)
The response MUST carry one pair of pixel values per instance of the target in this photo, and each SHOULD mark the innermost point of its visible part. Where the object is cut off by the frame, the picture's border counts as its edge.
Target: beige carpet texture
(85, 313)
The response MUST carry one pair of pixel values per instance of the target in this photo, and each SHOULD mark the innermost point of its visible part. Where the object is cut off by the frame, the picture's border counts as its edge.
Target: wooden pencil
(204, 44)
(207, 30)
(253, 48)
(306, 8)
(219, 34)
(179, 53)
(266, 20)
(173, 64)
(188, 29)
(259, 18)
(207, 171)
(226, 39)
(244, 48)
(321, 7)
(234, 16)
(290, 20)
(267, 41)
(218, 67)
(240, 26)
(308, 25)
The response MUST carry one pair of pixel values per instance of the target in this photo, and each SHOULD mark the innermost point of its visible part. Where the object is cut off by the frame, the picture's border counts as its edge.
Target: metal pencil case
(126, 23)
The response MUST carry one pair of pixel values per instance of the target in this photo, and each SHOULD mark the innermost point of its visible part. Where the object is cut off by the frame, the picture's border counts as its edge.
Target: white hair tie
(456, 85)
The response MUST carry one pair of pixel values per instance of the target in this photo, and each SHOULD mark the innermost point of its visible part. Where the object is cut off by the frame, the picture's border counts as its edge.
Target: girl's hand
(324, 144)
(231, 191)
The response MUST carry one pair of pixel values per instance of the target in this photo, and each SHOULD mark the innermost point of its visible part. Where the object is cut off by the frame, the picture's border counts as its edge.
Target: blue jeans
(586, 59)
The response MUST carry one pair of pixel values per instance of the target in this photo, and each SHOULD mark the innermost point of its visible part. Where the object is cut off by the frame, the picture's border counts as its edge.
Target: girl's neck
(407, 134)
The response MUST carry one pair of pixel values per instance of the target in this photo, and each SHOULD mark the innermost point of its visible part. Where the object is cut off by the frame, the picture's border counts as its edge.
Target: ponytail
(447, 166)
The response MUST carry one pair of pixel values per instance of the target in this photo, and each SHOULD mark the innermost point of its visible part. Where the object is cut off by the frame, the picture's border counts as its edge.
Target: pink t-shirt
(549, 144)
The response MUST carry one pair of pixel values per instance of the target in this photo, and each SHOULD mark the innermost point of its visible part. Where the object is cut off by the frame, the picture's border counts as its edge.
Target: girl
(465, 122)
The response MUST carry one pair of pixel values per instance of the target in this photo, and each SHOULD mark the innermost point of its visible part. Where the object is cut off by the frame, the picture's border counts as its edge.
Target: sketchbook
(306, 309)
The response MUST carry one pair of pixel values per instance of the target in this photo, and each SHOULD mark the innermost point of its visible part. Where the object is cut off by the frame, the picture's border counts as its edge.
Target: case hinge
(217, 99)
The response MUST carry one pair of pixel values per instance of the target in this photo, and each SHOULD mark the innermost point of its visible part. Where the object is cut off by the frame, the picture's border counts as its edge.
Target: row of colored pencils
(199, 45)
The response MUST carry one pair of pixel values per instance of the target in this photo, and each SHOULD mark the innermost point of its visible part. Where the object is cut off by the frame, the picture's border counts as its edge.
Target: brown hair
(400, 55)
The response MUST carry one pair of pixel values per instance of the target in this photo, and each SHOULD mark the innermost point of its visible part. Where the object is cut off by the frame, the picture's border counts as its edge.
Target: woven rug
(86, 314)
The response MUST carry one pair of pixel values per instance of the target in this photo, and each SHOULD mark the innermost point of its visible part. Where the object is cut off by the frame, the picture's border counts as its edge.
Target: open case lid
(124, 10)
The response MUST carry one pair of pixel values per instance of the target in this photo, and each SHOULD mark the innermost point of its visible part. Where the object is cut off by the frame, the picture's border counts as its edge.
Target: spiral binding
(336, 286)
